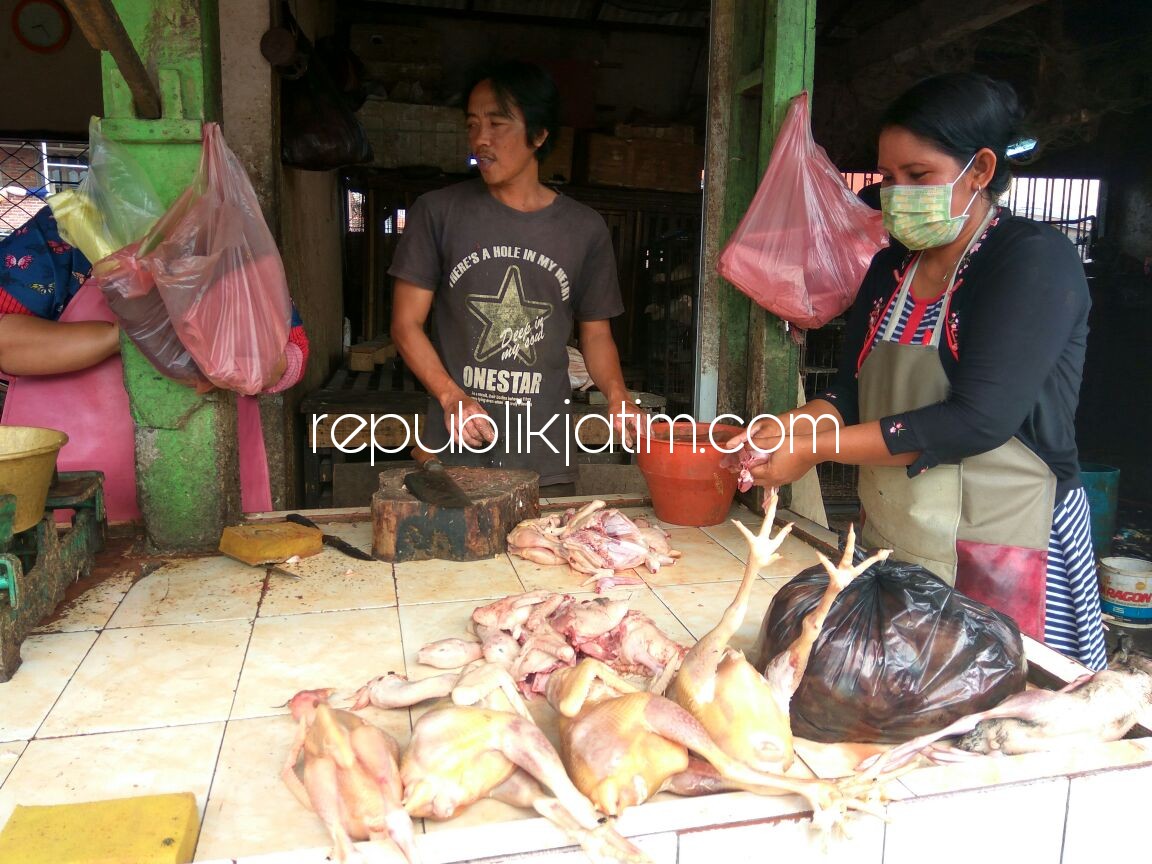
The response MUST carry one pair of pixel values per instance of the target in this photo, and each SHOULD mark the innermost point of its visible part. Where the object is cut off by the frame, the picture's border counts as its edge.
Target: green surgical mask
(921, 217)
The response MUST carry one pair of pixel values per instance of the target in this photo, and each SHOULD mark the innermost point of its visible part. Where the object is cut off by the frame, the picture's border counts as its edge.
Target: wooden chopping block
(405, 529)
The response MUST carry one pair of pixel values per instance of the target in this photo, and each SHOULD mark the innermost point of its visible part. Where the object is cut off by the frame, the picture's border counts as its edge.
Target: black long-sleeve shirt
(1013, 351)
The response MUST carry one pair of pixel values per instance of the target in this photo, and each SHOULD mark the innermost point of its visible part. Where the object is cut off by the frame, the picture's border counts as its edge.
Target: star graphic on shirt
(509, 320)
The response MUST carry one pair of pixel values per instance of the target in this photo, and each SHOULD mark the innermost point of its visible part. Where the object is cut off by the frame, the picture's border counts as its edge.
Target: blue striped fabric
(1072, 623)
(931, 314)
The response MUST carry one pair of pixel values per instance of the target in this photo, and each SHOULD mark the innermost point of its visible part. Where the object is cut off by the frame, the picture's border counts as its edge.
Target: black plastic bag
(900, 654)
(319, 131)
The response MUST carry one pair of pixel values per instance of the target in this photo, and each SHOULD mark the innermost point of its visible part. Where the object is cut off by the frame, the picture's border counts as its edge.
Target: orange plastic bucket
(685, 480)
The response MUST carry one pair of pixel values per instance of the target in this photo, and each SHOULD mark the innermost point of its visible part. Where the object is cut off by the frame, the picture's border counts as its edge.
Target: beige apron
(982, 525)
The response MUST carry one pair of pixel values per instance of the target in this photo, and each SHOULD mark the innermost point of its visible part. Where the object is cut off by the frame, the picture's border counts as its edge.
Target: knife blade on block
(432, 484)
(331, 539)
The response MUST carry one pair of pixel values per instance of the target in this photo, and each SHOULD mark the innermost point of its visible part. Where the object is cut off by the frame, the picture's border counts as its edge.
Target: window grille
(30, 171)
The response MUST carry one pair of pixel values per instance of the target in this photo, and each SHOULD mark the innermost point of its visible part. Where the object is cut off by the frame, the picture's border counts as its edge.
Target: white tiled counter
(178, 683)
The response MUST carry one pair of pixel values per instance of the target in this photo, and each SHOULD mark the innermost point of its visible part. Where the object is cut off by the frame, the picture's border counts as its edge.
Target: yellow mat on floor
(151, 829)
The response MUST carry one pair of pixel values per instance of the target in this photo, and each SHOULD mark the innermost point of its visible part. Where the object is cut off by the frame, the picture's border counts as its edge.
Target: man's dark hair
(532, 90)
(962, 112)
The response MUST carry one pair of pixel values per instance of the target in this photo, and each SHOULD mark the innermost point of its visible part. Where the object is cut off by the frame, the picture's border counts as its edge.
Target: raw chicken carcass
(603, 543)
(621, 745)
(746, 713)
(449, 653)
(459, 755)
(345, 770)
(1094, 708)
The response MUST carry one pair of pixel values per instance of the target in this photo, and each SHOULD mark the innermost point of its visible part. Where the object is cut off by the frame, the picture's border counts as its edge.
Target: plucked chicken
(345, 770)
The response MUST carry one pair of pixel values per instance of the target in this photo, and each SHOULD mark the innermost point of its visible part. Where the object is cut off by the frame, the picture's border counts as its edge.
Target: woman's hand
(791, 461)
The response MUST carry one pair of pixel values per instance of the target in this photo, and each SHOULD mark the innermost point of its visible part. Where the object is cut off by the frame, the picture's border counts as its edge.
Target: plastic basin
(685, 480)
(27, 462)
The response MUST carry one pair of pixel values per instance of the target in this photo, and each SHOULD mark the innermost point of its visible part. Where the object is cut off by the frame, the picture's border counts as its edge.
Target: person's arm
(862, 444)
(34, 346)
(411, 306)
(602, 359)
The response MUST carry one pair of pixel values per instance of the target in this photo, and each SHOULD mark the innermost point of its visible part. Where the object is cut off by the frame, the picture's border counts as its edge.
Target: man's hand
(629, 420)
(466, 421)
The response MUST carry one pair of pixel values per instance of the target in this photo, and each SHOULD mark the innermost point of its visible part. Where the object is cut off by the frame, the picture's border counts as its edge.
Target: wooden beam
(102, 27)
(924, 27)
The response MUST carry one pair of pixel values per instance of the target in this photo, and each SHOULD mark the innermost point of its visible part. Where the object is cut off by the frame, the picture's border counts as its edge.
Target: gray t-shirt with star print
(508, 287)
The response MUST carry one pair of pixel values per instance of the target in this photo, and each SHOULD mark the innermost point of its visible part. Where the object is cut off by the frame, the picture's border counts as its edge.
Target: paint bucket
(1126, 588)
(1101, 485)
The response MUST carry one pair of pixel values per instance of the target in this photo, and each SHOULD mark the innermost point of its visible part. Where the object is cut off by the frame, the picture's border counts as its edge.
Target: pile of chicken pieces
(604, 669)
(599, 541)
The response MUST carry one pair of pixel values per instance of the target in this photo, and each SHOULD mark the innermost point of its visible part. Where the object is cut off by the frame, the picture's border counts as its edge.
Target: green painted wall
(187, 473)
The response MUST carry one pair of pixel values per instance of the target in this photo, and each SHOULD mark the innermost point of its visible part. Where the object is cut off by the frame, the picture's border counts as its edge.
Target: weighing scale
(38, 565)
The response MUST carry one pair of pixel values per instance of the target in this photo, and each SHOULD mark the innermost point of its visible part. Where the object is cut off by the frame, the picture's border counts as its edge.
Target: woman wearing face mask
(961, 372)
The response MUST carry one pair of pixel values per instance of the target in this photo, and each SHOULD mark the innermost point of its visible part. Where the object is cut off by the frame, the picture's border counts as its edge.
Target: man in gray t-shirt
(505, 265)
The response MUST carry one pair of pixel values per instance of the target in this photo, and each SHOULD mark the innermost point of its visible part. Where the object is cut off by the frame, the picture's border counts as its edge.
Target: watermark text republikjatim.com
(346, 432)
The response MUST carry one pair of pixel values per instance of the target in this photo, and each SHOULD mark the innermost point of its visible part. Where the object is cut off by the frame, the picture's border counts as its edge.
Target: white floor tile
(699, 608)
(47, 664)
(328, 582)
(1020, 822)
(192, 590)
(135, 678)
(788, 840)
(439, 581)
(9, 755)
(305, 652)
(115, 765)
(1108, 816)
(92, 609)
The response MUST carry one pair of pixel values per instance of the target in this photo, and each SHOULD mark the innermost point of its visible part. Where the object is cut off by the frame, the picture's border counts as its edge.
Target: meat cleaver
(432, 484)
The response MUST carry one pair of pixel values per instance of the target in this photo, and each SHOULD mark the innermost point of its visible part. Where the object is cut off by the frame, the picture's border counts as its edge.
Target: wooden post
(761, 56)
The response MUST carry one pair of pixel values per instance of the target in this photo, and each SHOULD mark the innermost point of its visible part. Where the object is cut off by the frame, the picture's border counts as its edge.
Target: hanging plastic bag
(144, 318)
(104, 217)
(114, 205)
(805, 242)
(901, 654)
(218, 271)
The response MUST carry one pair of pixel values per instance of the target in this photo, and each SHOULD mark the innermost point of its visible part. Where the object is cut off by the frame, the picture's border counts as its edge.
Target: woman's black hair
(529, 88)
(962, 112)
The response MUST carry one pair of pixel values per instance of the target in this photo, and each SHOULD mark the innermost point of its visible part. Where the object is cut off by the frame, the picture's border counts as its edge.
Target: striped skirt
(1072, 622)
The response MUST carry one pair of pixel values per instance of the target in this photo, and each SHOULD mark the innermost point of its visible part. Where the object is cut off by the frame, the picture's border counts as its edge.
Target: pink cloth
(255, 485)
(91, 407)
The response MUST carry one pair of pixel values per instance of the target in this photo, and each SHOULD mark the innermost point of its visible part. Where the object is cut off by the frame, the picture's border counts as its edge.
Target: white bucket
(1126, 588)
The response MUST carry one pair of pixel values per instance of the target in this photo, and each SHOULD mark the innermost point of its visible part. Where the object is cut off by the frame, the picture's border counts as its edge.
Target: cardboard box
(644, 163)
(557, 165)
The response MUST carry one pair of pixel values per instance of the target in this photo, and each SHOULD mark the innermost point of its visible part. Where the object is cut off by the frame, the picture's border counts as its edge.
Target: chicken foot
(786, 669)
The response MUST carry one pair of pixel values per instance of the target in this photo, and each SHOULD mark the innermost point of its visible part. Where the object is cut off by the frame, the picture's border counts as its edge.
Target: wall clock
(42, 26)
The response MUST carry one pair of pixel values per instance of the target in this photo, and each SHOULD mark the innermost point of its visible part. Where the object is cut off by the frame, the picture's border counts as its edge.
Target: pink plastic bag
(132, 295)
(219, 273)
(805, 243)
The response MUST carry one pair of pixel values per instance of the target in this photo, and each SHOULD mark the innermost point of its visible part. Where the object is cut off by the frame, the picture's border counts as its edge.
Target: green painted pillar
(789, 49)
(762, 55)
(187, 475)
